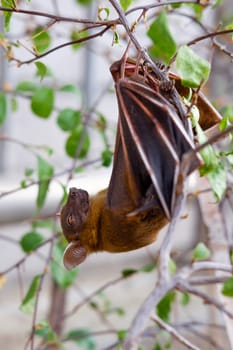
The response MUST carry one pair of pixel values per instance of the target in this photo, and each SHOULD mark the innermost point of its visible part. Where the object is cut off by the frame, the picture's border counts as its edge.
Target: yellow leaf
(3, 280)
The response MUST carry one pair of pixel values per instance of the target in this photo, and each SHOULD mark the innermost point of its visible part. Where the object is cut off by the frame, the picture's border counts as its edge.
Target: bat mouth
(73, 236)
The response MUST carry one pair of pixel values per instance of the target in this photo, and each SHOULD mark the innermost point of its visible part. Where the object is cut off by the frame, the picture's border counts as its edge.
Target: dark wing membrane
(158, 109)
(124, 187)
(150, 142)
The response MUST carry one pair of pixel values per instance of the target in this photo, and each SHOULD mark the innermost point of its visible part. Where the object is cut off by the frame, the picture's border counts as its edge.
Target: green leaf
(47, 149)
(26, 86)
(208, 153)
(101, 122)
(149, 267)
(194, 115)
(128, 272)
(172, 267)
(44, 330)
(45, 173)
(201, 252)
(42, 69)
(84, 2)
(176, 6)
(14, 104)
(185, 299)
(77, 35)
(31, 241)
(164, 46)
(106, 157)
(63, 277)
(70, 88)
(65, 194)
(103, 13)
(3, 108)
(41, 40)
(213, 168)
(125, 4)
(78, 143)
(157, 347)
(49, 224)
(121, 334)
(42, 101)
(164, 306)
(119, 311)
(198, 10)
(28, 172)
(192, 69)
(28, 302)
(23, 184)
(116, 38)
(82, 338)
(7, 15)
(68, 119)
(218, 181)
(223, 123)
(227, 288)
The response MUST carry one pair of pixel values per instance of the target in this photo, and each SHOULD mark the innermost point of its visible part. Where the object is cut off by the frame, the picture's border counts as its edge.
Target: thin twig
(57, 18)
(209, 35)
(92, 295)
(164, 3)
(203, 280)
(143, 314)
(174, 333)
(41, 282)
(26, 256)
(69, 43)
(186, 287)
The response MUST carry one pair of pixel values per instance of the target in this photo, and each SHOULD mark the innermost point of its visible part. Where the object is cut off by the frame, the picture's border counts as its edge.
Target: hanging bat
(153, 134)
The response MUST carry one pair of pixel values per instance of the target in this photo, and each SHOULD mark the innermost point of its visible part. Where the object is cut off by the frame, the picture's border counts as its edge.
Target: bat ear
(74, 255)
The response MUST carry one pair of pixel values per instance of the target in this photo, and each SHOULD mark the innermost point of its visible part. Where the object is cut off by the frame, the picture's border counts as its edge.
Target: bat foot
(166, 86)
(161, 66)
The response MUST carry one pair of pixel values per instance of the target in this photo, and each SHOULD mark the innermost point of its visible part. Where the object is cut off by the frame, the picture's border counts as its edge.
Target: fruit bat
(153, 135)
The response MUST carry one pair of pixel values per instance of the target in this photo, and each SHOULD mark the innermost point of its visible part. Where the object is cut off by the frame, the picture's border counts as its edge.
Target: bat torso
(122, 232)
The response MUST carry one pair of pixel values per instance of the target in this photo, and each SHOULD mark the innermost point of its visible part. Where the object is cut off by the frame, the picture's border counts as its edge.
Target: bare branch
(164, 3)
(56, 18)
(174, 333)
(185, 287)
(69, 43)
(143, 314)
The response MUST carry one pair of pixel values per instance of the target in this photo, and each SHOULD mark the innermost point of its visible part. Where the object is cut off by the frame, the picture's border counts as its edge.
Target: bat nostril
(73, 192)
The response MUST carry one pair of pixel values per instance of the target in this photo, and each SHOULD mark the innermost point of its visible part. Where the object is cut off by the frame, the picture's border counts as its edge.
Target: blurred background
(87, 68)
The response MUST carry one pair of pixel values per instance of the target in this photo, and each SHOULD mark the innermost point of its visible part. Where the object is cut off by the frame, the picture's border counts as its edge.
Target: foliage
(56, 104)
(161, 49)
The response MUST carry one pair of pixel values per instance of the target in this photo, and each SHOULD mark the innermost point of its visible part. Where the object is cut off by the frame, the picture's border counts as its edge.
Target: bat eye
(70, 220)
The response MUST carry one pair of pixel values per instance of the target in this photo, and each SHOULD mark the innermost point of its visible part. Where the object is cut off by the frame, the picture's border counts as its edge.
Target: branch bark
(219, 248)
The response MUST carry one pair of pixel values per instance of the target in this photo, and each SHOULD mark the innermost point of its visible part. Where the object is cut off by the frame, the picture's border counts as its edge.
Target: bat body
(153, 134)
(103, 229)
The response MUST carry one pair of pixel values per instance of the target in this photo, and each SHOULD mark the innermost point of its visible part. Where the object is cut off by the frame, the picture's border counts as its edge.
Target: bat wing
(209, 116)
(151, 142)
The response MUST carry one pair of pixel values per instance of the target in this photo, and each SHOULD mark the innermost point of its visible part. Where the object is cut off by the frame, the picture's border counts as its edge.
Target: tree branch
(174, 333)
(58, 18)
(69, 43)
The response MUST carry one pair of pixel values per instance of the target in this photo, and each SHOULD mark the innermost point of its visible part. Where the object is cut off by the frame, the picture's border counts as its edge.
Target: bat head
(73, 217)
(74, 213)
